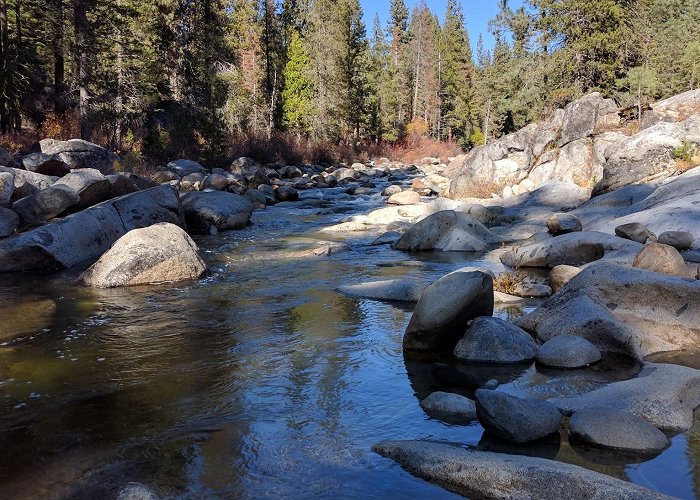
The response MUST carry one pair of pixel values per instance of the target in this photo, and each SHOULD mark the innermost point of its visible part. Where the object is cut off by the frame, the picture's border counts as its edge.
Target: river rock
(617, 430)
(161, 253)
(444, 309)
(216, 210)
(447, 231)
(661, 259)
(408, 197)
(89, 185)
(42, 163)
(573, 249)
(256, 197)
(453, 406)
(568, 351)
(9, 221)
(7, 188)
(400, 290)
(482, 474)
(137, 491)
(665, 395)
(286, 193)
(492, 340)
(391, 190)
(45, 205)
(516, 419)
(25, 316)
(77, 153)
(27, 183)
(561, 275)
(532, 290)
(86, 235)
(563, 223)
(217, 182)
(622, 309)
(635, 231)
(183, 168)
(680, 240)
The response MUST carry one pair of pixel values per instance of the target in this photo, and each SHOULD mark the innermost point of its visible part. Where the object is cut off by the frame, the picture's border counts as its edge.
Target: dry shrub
(484, 189)
(61, 127)
(18, 142)
(507, 282)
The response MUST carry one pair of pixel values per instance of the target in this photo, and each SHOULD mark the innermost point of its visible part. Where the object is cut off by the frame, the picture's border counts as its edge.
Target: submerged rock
(479, 474)
(447, 231)
(568, 351)
(516, 419)
(617, 430)
(621, 309)
(400, 290)
(445, 308)
(26, 316)
(450, 405)
(665, 395)
(492, 340)
(161, 253)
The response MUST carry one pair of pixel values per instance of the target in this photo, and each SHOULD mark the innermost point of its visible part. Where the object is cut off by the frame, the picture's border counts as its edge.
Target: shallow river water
(258, 381)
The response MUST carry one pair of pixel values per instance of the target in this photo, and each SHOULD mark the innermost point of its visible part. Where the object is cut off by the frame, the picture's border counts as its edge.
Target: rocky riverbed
(257, 331)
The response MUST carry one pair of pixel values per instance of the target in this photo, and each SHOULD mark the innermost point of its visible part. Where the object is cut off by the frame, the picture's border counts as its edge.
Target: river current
(257, 381)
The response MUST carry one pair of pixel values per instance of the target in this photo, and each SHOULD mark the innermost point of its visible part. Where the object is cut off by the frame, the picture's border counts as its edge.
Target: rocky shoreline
(622, 267)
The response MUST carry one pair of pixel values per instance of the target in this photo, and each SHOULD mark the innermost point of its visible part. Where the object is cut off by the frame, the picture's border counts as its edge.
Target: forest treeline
(162, 75)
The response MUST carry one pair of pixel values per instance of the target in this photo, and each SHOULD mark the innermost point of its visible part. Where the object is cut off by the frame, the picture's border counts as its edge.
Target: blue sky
(476, 12)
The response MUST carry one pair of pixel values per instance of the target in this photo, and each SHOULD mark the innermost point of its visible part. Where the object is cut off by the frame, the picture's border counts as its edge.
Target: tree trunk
(59, 72)
(80, 24)
(6, 63)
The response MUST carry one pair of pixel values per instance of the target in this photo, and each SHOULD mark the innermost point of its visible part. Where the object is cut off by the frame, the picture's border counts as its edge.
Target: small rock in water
(516, 419)
(492, 340)
(568, 351)
(451, 405)
(617, 430)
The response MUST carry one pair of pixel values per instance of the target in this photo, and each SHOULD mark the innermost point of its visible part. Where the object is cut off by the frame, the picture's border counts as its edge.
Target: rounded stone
(680, 240)
(635, 232)
(617, 430)
(561, 275)
(568, 351)
(516, 419)
(450, 405)
(661, 259)
(563, 224)
(492, 340)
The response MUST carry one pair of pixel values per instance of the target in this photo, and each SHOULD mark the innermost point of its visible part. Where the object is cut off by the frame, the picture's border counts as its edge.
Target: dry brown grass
(485, 189)
(507, 282)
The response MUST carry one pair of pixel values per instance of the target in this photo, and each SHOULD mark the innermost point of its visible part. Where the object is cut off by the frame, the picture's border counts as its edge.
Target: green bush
(684, 152)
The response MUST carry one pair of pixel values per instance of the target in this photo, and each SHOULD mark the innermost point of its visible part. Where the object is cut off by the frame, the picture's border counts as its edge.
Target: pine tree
(298, 93)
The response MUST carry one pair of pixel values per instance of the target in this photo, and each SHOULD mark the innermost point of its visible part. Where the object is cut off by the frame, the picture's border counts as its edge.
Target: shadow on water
(259, 380)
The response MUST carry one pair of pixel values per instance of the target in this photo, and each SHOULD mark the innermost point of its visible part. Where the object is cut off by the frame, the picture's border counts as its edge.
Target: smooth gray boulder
(481, 474)
(516, 419)
(622, 309)
(41, 163)
(447, 231)
(635, 231)
(665, 395)
(563, 223)
(217, 182)
(450, 405)
(492, 340)
(9, 221)
(7, 188)
(680, 240)
(77, 153)
(89, 185)
(161, 253)
(286, 193)
(617, 430)
(218, 211)
(27, 183)
(445, 308)
(582, 115)
(255, 197)
(399, 290)
(573, 249)
(568, 351)
(86, 235)
(661, 259)
(38, 208)
(183, 168)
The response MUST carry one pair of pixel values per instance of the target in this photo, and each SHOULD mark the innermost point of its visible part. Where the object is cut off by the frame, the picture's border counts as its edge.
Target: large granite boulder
(27, 183)
(444, 309)
(583, 115)
(448, 231)
(207, 212)
(77, 153)
(621, 309)
(481, 474)
(516, 419)
(665, 395)
(7, 188)
(88, 185)
(38, 208)
(183, 168)
(86, 235)
(492, 340)
(41, 163)
(156, 254)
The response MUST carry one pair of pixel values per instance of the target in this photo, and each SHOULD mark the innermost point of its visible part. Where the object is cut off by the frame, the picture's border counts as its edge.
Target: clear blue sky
(476, 12)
